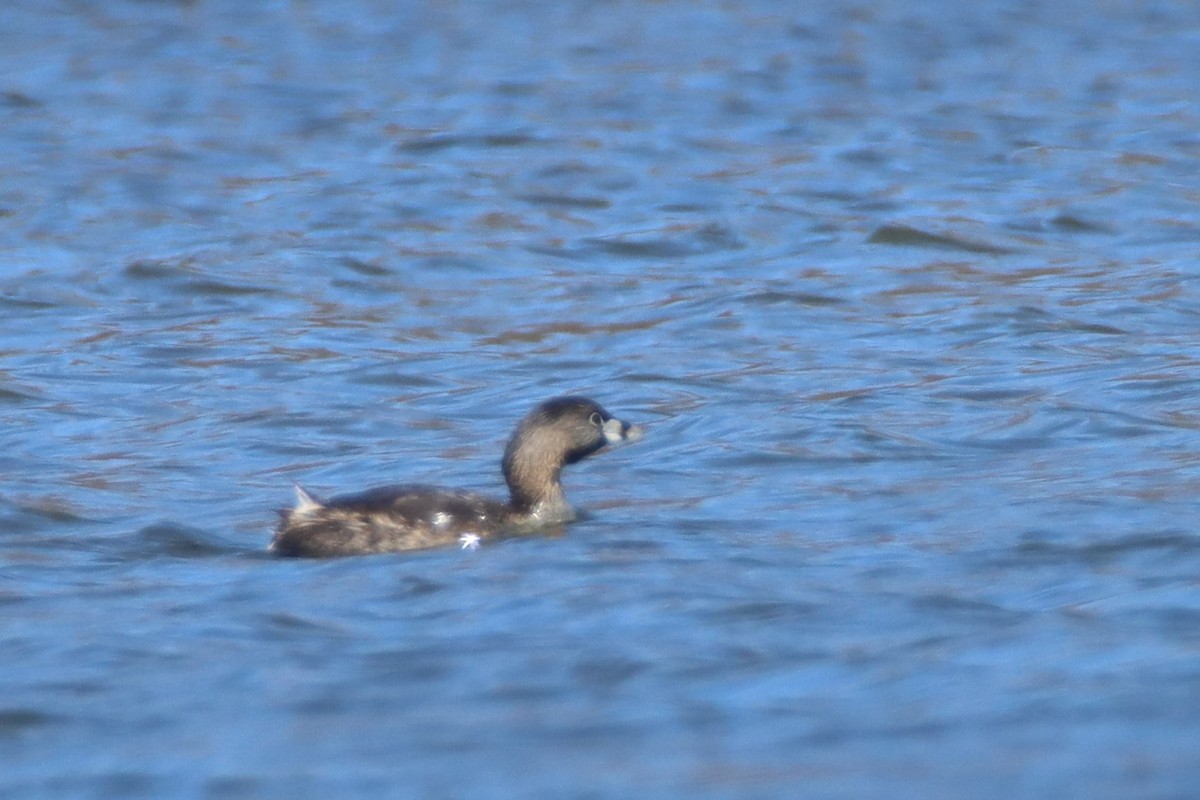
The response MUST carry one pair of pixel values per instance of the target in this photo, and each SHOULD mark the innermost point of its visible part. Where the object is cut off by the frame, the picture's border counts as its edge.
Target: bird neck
(534, 481)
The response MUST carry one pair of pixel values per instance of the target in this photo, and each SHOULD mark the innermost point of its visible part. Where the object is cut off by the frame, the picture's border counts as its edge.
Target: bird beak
(617, 431)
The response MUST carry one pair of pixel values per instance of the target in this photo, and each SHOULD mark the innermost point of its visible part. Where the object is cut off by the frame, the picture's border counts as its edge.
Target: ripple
(439, 142)
(174, 540)
(905, 236)
(540, 333)
(1158, 544)
(679, 243)
(17, 721)
(567, 201)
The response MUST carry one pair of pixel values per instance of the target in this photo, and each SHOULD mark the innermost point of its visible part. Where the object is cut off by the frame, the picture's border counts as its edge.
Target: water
(905, 294)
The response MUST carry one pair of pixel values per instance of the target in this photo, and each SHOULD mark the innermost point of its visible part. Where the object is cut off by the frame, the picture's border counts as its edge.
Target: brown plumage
(412, 517)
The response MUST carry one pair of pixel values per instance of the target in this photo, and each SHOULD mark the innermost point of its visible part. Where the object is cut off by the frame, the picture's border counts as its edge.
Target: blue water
(906, 295)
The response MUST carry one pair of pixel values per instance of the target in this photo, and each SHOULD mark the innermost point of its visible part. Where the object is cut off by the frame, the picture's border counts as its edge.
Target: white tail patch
(305, 504)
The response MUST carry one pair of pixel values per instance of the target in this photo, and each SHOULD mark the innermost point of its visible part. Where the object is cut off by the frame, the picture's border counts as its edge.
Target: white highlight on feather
(469, 541)
(305, 504)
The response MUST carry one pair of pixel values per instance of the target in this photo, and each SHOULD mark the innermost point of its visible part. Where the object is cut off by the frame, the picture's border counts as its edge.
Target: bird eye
(596, 420)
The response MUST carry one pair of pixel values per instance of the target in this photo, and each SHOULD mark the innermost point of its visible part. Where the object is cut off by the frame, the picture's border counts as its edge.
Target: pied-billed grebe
(412, 517)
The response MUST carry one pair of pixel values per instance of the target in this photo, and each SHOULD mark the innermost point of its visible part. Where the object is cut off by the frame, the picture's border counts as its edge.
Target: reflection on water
(903, 294)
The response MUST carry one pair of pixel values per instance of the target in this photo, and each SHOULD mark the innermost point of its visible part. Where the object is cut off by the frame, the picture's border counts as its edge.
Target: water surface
(905, 294)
